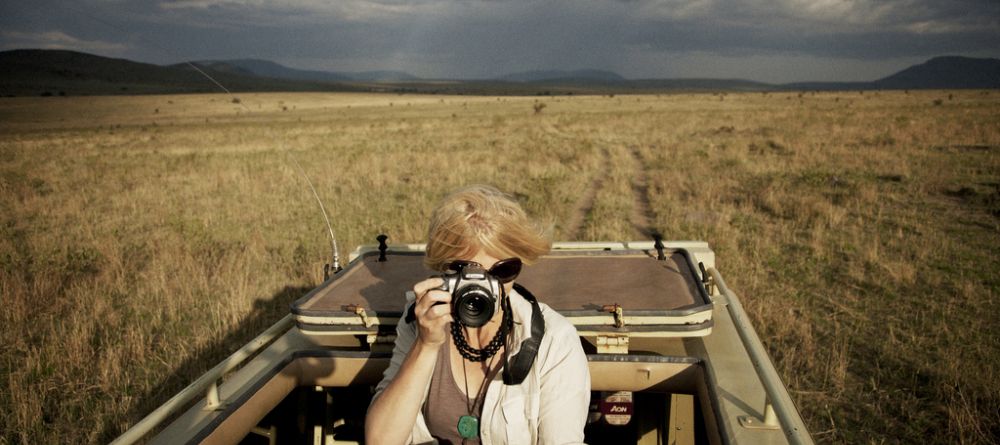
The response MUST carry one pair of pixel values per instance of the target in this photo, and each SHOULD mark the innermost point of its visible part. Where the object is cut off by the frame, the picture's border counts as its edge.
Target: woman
(447, 381)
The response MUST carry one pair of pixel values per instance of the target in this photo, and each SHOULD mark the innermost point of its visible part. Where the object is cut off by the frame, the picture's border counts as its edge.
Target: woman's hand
(432, 310)
(394, 411)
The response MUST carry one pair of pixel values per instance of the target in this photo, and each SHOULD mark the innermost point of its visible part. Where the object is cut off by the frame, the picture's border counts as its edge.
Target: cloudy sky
(771, 41)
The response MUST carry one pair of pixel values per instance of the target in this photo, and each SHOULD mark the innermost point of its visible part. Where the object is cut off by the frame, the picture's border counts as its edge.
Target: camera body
(474, 294)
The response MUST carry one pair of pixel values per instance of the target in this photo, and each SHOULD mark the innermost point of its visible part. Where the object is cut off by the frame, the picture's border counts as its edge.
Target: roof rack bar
(206, 381)
(777, 399)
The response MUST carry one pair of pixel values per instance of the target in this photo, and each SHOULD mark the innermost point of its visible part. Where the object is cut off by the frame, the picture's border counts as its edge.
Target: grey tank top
(446, 402)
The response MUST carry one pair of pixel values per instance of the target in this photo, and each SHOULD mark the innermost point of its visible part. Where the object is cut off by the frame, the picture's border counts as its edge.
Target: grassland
(144, 238)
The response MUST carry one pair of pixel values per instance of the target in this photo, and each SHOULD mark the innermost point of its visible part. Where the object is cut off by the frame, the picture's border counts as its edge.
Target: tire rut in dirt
(575, 227)
(643, 215)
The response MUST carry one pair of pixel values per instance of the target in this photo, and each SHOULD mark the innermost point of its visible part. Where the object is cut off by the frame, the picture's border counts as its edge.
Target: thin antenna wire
(192, 65)
(157, 46)
(166, 50)
(336, 253)
(333, 239)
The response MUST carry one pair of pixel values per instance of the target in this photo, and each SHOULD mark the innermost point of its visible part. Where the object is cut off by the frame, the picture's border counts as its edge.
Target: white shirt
(548, 407)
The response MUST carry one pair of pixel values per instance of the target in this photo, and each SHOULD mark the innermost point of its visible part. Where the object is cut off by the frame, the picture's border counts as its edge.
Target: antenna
(328, 269)
(333, 267)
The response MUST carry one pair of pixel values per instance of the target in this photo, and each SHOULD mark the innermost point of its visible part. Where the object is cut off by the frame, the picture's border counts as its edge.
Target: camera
(474, 294)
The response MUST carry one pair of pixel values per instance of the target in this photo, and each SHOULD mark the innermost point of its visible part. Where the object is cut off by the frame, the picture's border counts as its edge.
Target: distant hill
(267, 68)
(946, 72)
(561, 75)
(383, 76)
(51, 72)
(827, 86)
(58, 72)
(702, 84)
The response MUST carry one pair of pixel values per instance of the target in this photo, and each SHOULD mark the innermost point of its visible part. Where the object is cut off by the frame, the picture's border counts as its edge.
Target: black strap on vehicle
(517, 369)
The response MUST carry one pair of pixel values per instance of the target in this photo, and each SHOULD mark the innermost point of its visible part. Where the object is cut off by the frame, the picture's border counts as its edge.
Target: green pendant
(468, 427)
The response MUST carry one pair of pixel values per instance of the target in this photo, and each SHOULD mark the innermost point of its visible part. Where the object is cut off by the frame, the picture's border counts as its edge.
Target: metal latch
(360, 311)
(380, 342)
(706, 279)
(616, 311)
(381, 338)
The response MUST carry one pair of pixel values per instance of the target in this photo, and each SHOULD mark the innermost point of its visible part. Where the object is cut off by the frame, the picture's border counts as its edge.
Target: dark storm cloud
(864, 30)
(451, 38)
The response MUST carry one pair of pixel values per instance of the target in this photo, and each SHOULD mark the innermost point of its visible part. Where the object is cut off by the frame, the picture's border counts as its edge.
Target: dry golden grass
(143, 238)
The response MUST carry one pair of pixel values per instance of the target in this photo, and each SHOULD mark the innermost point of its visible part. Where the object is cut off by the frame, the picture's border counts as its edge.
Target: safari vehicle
(673, 359)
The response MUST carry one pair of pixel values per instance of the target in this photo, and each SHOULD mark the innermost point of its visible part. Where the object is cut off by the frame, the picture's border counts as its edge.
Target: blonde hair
(480, 217)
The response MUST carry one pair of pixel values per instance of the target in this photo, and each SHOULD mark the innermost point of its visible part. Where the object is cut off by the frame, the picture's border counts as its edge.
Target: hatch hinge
(612, 343)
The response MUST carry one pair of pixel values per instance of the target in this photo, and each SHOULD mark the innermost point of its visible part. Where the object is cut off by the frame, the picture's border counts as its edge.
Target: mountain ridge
(588, 75)
(62, 72)
(941, 72)
(267, 68)
(35, 72)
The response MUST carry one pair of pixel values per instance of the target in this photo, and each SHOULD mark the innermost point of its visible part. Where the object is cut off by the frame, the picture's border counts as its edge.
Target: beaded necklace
(468, 425)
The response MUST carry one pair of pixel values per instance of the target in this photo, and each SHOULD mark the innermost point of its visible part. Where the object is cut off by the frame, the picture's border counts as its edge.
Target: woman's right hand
(432, 316)
(394, 411)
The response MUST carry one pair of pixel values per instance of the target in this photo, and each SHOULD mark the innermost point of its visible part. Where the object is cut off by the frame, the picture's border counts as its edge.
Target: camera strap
(519, 365)
(516, 369)
(411, 313)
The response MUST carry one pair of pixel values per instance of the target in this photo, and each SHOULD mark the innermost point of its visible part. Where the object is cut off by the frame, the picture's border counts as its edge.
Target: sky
(770, 41)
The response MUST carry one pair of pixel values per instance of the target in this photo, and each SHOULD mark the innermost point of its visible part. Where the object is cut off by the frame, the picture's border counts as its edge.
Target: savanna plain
(143, 239)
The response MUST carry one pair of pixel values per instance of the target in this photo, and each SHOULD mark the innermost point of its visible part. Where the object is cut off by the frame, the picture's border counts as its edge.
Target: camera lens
(474, 306)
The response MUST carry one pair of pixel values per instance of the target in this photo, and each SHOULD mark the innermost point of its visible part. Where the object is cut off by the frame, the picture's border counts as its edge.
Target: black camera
(474, 294)
(475, 290)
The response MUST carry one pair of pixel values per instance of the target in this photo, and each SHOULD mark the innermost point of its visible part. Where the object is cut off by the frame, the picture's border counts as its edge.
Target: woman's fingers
(438, 314)
(438, 310)
(422, 287)
(433, 310)
(430, 298)
(433, 305)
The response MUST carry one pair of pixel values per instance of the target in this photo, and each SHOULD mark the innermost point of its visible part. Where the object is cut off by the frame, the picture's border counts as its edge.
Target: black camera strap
(411, 313)
(517, 369)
